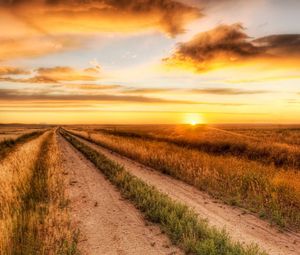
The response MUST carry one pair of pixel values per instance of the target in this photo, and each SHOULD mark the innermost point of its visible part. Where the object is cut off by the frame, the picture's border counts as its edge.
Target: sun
(193, 119)
(193, 122)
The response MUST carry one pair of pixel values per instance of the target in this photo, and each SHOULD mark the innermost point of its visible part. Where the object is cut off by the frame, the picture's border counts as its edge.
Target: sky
(149, 61)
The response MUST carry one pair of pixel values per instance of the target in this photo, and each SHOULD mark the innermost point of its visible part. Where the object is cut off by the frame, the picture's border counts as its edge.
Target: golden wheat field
(238, 166)
(190, 183)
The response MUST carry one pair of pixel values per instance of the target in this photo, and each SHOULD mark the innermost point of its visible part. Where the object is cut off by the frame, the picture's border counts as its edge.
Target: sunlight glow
(193, 119)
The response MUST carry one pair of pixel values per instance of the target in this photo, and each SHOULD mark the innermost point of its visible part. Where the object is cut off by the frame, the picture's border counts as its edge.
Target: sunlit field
(242, 168)
(33, 208)
(243, 171)
(13, 132)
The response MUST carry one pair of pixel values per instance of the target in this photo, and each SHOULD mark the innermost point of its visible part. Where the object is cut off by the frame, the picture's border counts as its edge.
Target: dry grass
(14, 175)
(33, 213)
(8, 145)
(289, 136)
(219, 142)
(13, 132)
(180, 223)
(268, 191)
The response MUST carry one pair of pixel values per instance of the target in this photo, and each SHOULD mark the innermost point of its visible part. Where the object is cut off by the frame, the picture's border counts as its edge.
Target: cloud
(279, 45)
(215, 91)
(65, 73)
(264, 79)
(35, 79)
(8, 70)
(50, 75)
(146, 90)
(73, 16)
(47, 96)
(229, 45)
(43, 27)
(16, 95)
(93, 86)
(227, 91)
(16, 47)
(95, 63)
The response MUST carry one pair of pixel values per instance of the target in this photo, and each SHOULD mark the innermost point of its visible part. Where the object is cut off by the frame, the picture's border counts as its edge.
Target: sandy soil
(241, 226)
(108, 224)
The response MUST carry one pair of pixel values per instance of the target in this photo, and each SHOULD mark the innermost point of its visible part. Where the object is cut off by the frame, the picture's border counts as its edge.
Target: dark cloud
(169, 15)
(52, 75)
(16, 95)
(279, 45)
(57, 74)
(228, 45)
(227, 91)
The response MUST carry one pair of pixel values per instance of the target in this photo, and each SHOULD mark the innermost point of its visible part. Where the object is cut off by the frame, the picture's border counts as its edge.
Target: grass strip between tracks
(180, 223)
(42, 225)
(8, 145)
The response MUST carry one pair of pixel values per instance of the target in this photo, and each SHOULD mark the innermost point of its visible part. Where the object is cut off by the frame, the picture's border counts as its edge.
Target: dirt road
(108, 224)
(241, 226)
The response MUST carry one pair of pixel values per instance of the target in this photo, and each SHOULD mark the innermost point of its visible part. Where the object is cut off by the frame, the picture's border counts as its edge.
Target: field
(164, 189)
(12, 132)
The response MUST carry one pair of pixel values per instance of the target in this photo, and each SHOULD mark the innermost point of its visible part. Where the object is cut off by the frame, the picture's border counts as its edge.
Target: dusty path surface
(108, 224)
(241, 226)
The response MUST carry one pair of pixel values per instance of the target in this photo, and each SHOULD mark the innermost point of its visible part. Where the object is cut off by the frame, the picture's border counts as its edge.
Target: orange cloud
(229, 45)
(227, 91)
(63, 73)
(147, 90)
(42, 27)
(50, 75)
(8, 70)
(60, 16)
(17, 95)
(93, 86)
(34, 46)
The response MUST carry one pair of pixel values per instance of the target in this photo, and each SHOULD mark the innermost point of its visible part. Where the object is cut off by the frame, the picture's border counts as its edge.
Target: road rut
(108, 224)
(241, 226)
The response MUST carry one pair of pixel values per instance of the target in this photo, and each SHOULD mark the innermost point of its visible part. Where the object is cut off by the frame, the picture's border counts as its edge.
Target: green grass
(181, 224)
(8, 145)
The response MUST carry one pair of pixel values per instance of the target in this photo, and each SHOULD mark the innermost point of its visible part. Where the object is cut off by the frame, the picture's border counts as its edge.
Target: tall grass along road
(180, 223)
(7, 145)
(241, 226)
(34, 215)
(221, 142)
(271, 193)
